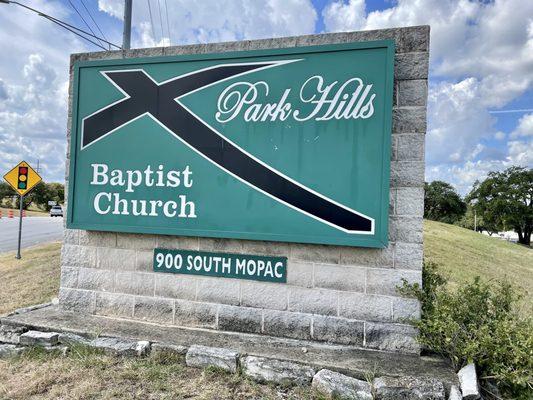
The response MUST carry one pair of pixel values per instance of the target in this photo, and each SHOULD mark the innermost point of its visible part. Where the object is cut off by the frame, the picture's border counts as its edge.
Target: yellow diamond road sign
(22, 178)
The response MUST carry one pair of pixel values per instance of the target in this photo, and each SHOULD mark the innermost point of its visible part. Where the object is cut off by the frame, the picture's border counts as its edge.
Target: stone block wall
(335, 294)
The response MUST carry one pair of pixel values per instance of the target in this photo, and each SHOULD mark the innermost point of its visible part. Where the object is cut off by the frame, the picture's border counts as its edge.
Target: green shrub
(477, 323)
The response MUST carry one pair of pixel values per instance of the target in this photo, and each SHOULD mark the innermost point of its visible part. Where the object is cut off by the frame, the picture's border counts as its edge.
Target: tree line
(502, 201)
(39, 196)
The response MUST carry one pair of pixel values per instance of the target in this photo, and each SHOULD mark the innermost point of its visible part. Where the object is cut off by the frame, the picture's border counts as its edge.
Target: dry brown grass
(31, 280)
(88, 374)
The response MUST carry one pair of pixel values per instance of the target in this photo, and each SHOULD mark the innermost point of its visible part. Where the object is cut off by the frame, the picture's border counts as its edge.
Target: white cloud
(340, 16)
(194, 21)
(457, 122)
(524, 128)
(521, 153)
(482, 53)
(463, 175)
(449, 19)
(3, 90)
(490, 41)
(33, 120)
(500, 135)
(33, 87)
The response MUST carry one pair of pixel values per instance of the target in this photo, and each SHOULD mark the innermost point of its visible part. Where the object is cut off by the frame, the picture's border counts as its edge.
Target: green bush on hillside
(477, 323)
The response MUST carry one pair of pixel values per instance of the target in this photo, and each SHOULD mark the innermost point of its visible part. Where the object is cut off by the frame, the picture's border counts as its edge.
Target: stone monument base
(108, 333)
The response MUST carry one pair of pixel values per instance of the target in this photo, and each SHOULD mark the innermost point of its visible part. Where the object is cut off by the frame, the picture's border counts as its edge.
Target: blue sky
(481, 67)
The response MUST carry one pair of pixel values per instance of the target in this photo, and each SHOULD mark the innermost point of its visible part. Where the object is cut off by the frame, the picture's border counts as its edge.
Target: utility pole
(475, 220)
(126, 37)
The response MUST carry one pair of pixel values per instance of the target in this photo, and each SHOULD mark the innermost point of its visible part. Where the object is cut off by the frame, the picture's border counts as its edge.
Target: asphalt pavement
(35, 230)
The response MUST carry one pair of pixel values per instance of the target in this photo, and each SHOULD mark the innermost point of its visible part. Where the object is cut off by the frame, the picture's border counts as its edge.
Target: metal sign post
(20, 227)
(22, 178)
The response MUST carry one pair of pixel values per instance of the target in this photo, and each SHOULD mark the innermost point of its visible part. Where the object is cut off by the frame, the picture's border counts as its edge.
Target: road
(35, 230)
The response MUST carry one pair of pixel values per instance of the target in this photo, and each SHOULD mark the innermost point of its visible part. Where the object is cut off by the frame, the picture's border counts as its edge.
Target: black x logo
(145, 96)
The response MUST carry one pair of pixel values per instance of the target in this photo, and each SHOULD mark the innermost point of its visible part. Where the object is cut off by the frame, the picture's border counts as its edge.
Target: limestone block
(287, 324)
(200, 315)
(300, 274)
(338, 386)
(277, 371)
(9, 350)
(202, 357)
(339, 277)
(391, 337)
(313, 301)
(167, 349)
(239, 319)
(408, 388)
(11, 335)
(468, 381)
(264, 295)
(154, 310)
(338, 330)
(365, 307)
(455, 393)
(412, 92)
(121, 347)
(38, 338)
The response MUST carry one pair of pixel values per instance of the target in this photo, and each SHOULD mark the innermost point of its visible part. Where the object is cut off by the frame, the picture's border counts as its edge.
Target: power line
(151, 19)
(73, 31)
(83, 19)
(91, 16)
(160, 18)
(168, 26)
(77, 31)
(53, 19)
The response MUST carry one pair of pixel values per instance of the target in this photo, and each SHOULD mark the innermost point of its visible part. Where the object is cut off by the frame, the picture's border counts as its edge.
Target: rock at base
(29, 308)
(11, 334)
(58, 350)
(121, 347)
(408, 388)
(9, 350)
(277, 371)
(142, 348)
(342, 387)
(468, 380)
(455, 393)
(37, 338)
(203, 356)
(162, 349)
(71, 338)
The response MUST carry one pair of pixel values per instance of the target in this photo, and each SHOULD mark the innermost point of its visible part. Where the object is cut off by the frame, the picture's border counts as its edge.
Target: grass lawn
(463, 254)
(31, 280)
(29, 213)
(88, 374)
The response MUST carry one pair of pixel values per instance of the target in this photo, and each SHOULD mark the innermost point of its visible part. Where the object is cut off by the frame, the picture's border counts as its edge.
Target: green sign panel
(282, 145)
(240, 266)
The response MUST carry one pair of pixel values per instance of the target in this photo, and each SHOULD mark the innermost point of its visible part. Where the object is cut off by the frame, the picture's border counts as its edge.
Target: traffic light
(23, 178)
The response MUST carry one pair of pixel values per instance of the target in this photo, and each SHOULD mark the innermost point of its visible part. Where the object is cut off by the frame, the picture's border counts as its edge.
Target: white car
(56, 211)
